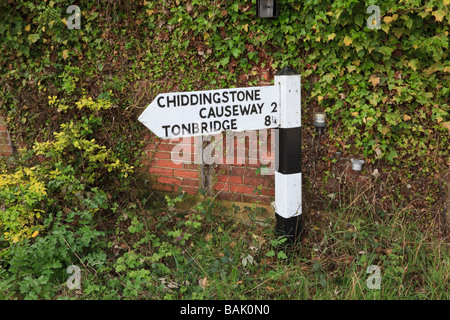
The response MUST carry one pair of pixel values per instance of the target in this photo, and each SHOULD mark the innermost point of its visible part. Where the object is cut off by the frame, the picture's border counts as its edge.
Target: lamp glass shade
(319, 117)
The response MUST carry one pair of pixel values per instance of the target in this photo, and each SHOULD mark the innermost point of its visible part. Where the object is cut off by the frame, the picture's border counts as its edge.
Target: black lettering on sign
(225, 97)
(173, 100)
(257, 97)
(216, 97)
(208, 127)
(274, 105)
(159, 102)
(193, 99)
(184, 100)
(166, 129)
(227, 111)
(232, 95)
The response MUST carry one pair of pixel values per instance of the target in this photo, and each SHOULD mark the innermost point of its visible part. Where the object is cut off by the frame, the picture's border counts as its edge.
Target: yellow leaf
(446, 125)
(406, 117)
(208, 237)
(27, 28)
(348, 41)
(374, 80)
(34, 235)
(320, 98)
(65, 54)
(204, 282)
(446, 2)
(354, 113)
(384, 130)
(439, 15)
(331, 36)
(149, 12)
(351, 68)
(388, 19)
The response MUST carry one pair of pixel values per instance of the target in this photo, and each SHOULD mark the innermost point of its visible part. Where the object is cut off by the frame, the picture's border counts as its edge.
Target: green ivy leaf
(413, 64)
(34, 37)
(359, 20)
(224, 61)
(409, 23)
(235, 52)
(386, 51)
(328, 77)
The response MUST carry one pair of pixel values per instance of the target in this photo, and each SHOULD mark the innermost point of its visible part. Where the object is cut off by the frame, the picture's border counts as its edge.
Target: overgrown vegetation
(167, 253)
(72, 98)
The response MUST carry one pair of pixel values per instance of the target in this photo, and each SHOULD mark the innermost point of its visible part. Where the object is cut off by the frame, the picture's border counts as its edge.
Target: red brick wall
(168, 175)
(235, 178)
(5, 141)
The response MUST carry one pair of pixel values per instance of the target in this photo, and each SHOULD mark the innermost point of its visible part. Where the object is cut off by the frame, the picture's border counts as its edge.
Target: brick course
(5, 141)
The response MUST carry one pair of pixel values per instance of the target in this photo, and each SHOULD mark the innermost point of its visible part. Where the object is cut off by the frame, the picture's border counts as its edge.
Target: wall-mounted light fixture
(267, 8)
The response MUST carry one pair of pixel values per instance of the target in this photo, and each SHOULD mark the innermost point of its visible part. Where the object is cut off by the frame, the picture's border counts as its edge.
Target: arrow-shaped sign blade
(188, 114)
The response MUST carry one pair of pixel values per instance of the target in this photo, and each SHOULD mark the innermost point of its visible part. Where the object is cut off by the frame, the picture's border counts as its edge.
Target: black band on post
(288, 155)
(289, 227)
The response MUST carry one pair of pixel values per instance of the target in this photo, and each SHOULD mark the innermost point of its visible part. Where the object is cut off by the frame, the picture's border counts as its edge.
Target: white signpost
(188, 114)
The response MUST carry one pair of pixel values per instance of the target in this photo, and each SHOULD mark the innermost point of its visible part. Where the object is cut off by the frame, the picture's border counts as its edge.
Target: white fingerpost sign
(197, 113)
(188, 114)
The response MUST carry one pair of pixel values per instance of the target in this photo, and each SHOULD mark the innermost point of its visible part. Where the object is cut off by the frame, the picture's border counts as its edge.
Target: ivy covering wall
(71, 99)
(385, 91)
